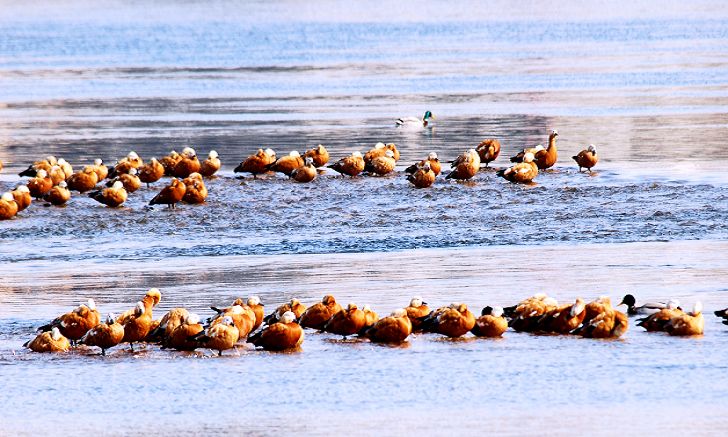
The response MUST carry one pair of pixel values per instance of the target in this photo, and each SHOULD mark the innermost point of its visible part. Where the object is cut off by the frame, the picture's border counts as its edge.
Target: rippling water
(646, 82)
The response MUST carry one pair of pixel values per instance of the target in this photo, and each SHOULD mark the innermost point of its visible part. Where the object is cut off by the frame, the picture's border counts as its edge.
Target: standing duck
(104, 335)
(465, 166)
(431, 159)
(171, 194)
(415, 122)
(257, 163)
(287, 164)
(318, 314)
(393, 329)
(283, 335)
(188, 164)
(220, 337)
(211, 165)
(350, 166)
(179, 338)
(319, 155)
(543, 157)
(130, 181)
(137, 326)
(488, 150)
(84, 180)
(151, 172)
(587, 158)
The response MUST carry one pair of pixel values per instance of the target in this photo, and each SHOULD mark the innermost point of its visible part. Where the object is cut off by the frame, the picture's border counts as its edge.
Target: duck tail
(29, 172)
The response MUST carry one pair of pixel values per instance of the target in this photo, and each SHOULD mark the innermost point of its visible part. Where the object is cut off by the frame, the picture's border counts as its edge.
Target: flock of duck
(53, 179)
(244, 321)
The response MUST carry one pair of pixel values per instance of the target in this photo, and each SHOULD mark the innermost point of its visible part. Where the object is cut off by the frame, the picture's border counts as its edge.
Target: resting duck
(43, 164)
(57, 175)
(392, 329)
(424, 177)
(124, 165)
(75, 324)
(522, 173)
(319, 155)
(295, 306)
(104, 335)
(488, 150)
(257, 163)
(417, 310)
(380, 149)
(188, 164)
(169, 162)
(587, 158)
(657, 321)
(527, 314)
(40, 184)
(305, 174)
(168, 323)
(645, 309)
(211, 165)
(58, 195)
(318, 314)
(130, 181)
(453, 321)
(220, 337)
(242, 316)
(84, 180)
(151, 172)
(179, 338)
(8, 206)
(544, 158)
(21, 194)
(171, 194)
(687, 324)
(431, 159)
(414, 121)
(381, 165)
(52, 341)
(491, 323)
(465, 166)
(347, 321)
(351, 165)
(112, 197)
(287, 164)
(195, 189)
(283, 335)
(101, 170)
(370, 318)
(563, 319)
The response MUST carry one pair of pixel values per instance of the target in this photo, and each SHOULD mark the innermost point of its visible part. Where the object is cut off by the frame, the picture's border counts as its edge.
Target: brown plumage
(370, 318)
(351, 165)
(150, 299)
(195, 189)
(318, 314)
(211, 165)
(287, 164)
(609, 323)
(43, 164)
(104, 335)
(687, 324)
(416, 311)
(74, 325)
(84, 180)
(587, 158)
(151, 172)
(188, 164)
(544, 158)
(57, 175)
(100, 169)
(51, 341)
(600, 305)
(179, 337)
(304, 174)
(112, 197)
(221, 336)
(465, 166)
(523, 172)
(22, 197)
(130, 181)
(58, 195)
(381, 165)
(378, 150)
(170, 161)
(8, 206)
(488, 150)
(491, 323)
(563, 319)
(657, 321)
(424, 177)
(527, 313)
(319, 155)
(171, 194)
(431, 159)
(137, 326)
(347, 321)
(454, 321)
(242, 316)
(280, 336)
(392, 329)
(295, 306)
(168, 323)
(257, 163)
(258, 309)
(124, 165)
(40, 184)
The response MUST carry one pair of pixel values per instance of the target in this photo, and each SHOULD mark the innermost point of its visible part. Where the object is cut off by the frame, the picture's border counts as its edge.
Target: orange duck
(465, 166)
(488, 150)
(287, 164)
(283, 335)
(417, 311)
(84, 180)
(40, 184)
(491, 323)
(151, 172)
(523, 172)
(319, 155)
(304, 174)
(58, 195)
(195, 189)
(188, 164)
(347, 321)
(563, 319)
(8, 206)
(257, 163)
(21, 195)
(295, 306)
(220, 337)
(424, 177)
(431, 159)
(544, 158)
(258, 309)
(104, 335)
(392, 329)
(211, 165)
(526, 315)
(75, 324)
(179, 337)
(130, 181)
(587, 158)
(138, 326)
(168, 323)
(381, 165)
(169, 162)
(43, 164)
(658, 320)
(51, 341)
(351, 165)
(688, 323)
(318, 314)
(101, 170)
(112, 197)
(171, 194)
(454, 321)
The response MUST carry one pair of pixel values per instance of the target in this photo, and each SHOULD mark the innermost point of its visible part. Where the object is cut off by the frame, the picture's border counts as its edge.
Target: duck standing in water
(465, 166)
(488, 150)
(414, 121)
(543, 157)
(587, 158)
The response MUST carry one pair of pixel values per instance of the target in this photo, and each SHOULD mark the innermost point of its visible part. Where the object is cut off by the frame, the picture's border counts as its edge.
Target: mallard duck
(414, 121)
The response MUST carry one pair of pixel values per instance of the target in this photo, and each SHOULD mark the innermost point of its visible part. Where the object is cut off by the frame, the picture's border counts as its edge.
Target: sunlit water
(647, 83)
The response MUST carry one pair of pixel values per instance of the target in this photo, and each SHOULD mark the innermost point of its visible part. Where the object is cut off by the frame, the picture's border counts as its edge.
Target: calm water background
(647, 83)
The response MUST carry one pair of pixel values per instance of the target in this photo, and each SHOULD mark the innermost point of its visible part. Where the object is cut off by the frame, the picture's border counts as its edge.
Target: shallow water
(647, 83)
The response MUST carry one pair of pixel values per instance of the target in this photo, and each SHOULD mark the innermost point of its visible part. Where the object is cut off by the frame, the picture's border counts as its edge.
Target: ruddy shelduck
(219, 337)
(455, 321)
(488, 150)
(188, 164)
(257, 163)
(424, 177)
(657, 321)
(491, 323)
(295, 306)
(151, 172)
(137, 326)
(40, 184)
(75, 324)
(350, 166)
(317, 315)
(393, 329)
(84, 180)
(195, 189)
(171, 194)
(465, 166)
(687, 324)
(283, 335)
(130, 181)
(102, 171)
(51, 341)
(286, 164)
(58, 195)
(22, 197)
(526, 315)
(431, 159)
(112, 197)
(416, 311)
(587, 158)
(563, 319)
(381, 165)
(347, 321)
(43, 164)
(210, 165)
(304, 174)
(179, 338)
(523, 172)
(169, 161)
(319, 155)
(104, 335)
(8, 206)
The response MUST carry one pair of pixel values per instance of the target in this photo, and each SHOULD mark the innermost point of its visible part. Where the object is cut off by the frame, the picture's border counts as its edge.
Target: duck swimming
(414, 121)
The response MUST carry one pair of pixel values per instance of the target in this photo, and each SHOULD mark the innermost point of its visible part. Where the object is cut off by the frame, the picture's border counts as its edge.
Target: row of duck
(283, 329)
(53, 179)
